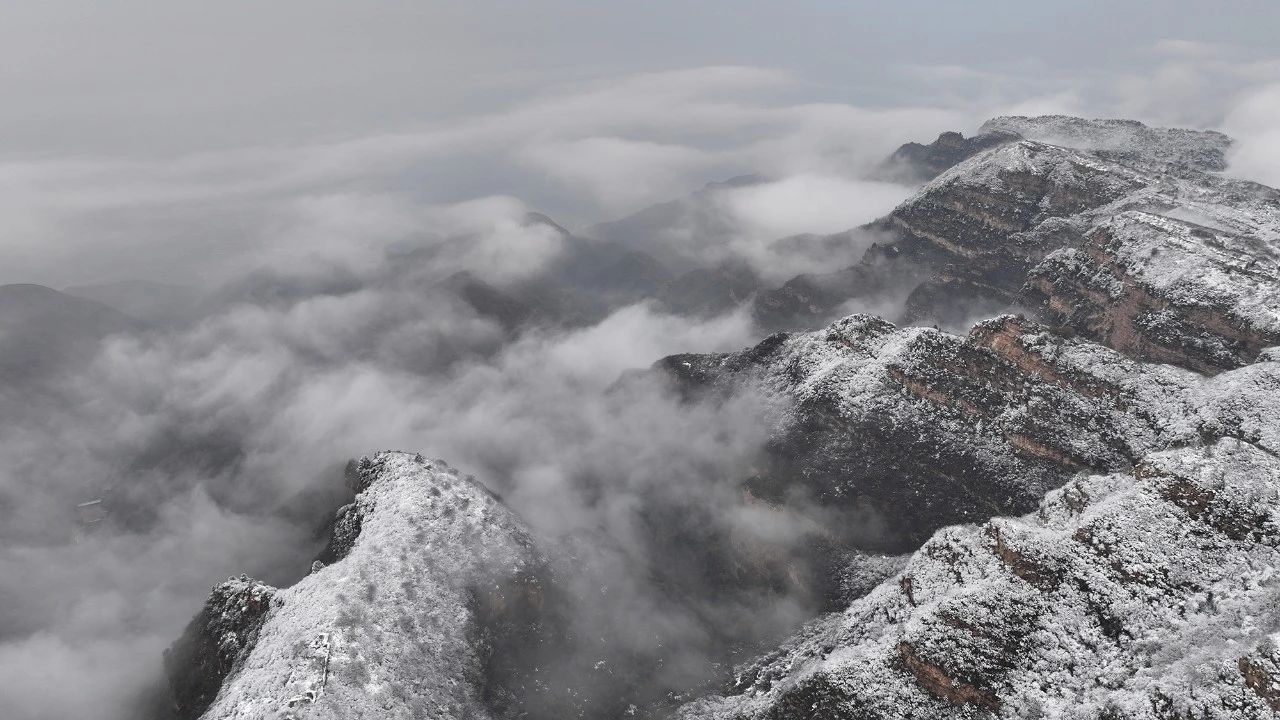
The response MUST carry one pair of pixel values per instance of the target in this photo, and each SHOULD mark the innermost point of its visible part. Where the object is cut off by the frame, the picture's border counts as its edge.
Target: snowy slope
(1126, 444)
(1151, 594)
(1127, 140)
(929, 428)
(1188, 259)
(388, 630)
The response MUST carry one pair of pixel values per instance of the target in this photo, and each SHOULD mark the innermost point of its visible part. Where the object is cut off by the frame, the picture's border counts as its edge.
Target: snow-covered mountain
(1088, 491)
(1159, 529)
(1150, 593)
(427, 575)
(929, 428)
(1146, 249)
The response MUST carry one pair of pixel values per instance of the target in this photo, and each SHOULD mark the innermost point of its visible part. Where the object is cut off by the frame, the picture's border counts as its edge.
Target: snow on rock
(913, 162)
(217, 641)
(1166, 289)
(1004, 223)
(1145, 403)
(1146, 253)
(387, 629)
(1138, 414)
(1125, 140)
(1148, 594)
(928, 428)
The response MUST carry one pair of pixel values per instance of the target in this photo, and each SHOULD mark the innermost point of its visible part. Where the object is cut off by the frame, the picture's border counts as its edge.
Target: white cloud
(622, 175)
(1066, 102)
(1252, 122)
(611, 147)
(810, 203)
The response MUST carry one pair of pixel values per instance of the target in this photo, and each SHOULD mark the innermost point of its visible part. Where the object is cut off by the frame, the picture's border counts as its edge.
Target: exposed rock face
(1188, 264)
(1166, 290)
(1122, 140)
(914, 162)
(1145, 584)
(929, 428)
(216, 643)
(428, 573)
(1150, 594)
(1142, 583)
(1126, 236)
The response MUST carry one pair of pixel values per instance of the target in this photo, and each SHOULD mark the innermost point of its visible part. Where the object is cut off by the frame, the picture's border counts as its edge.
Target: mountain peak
(1125, 140)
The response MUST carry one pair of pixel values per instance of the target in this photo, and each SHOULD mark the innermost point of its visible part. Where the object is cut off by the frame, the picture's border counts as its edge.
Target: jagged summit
(914, 162)
(1124, 140)
(1088, 491)
(1080, 235)
(930, 428)
(1144, 594)
(386, 625)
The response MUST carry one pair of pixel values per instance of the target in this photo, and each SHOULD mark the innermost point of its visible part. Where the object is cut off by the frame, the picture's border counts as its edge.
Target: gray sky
(177, 139)
(130, 75)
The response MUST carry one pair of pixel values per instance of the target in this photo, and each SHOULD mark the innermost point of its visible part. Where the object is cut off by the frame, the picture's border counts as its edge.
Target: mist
(334, 277)
(216, 446)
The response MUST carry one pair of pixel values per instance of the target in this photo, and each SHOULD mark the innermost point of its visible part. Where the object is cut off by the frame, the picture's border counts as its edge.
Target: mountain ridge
(1089, 493)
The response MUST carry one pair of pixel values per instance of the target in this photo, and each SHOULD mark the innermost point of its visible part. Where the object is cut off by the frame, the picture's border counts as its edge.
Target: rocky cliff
(1144, 594)
(928, 428)
(914, 162)
(1124, 233)
(1187, 264)
(427, 576)
(1122, 140)
(1087, 492)
(1142, 584)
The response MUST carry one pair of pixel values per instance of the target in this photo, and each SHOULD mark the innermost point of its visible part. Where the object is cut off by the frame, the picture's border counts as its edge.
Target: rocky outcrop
(216, 643)
(1127, 141)
(914, 162)
(1120, 231)
(1165, 289)
(429, 576)
(927, 428)
(1145, 594)
(1184, 269)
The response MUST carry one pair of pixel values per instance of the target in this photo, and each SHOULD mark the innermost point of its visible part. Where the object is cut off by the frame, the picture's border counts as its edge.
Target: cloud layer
(327, 237)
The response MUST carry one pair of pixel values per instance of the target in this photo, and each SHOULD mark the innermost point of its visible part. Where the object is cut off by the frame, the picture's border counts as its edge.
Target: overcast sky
(195, 142)
(144, 139)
